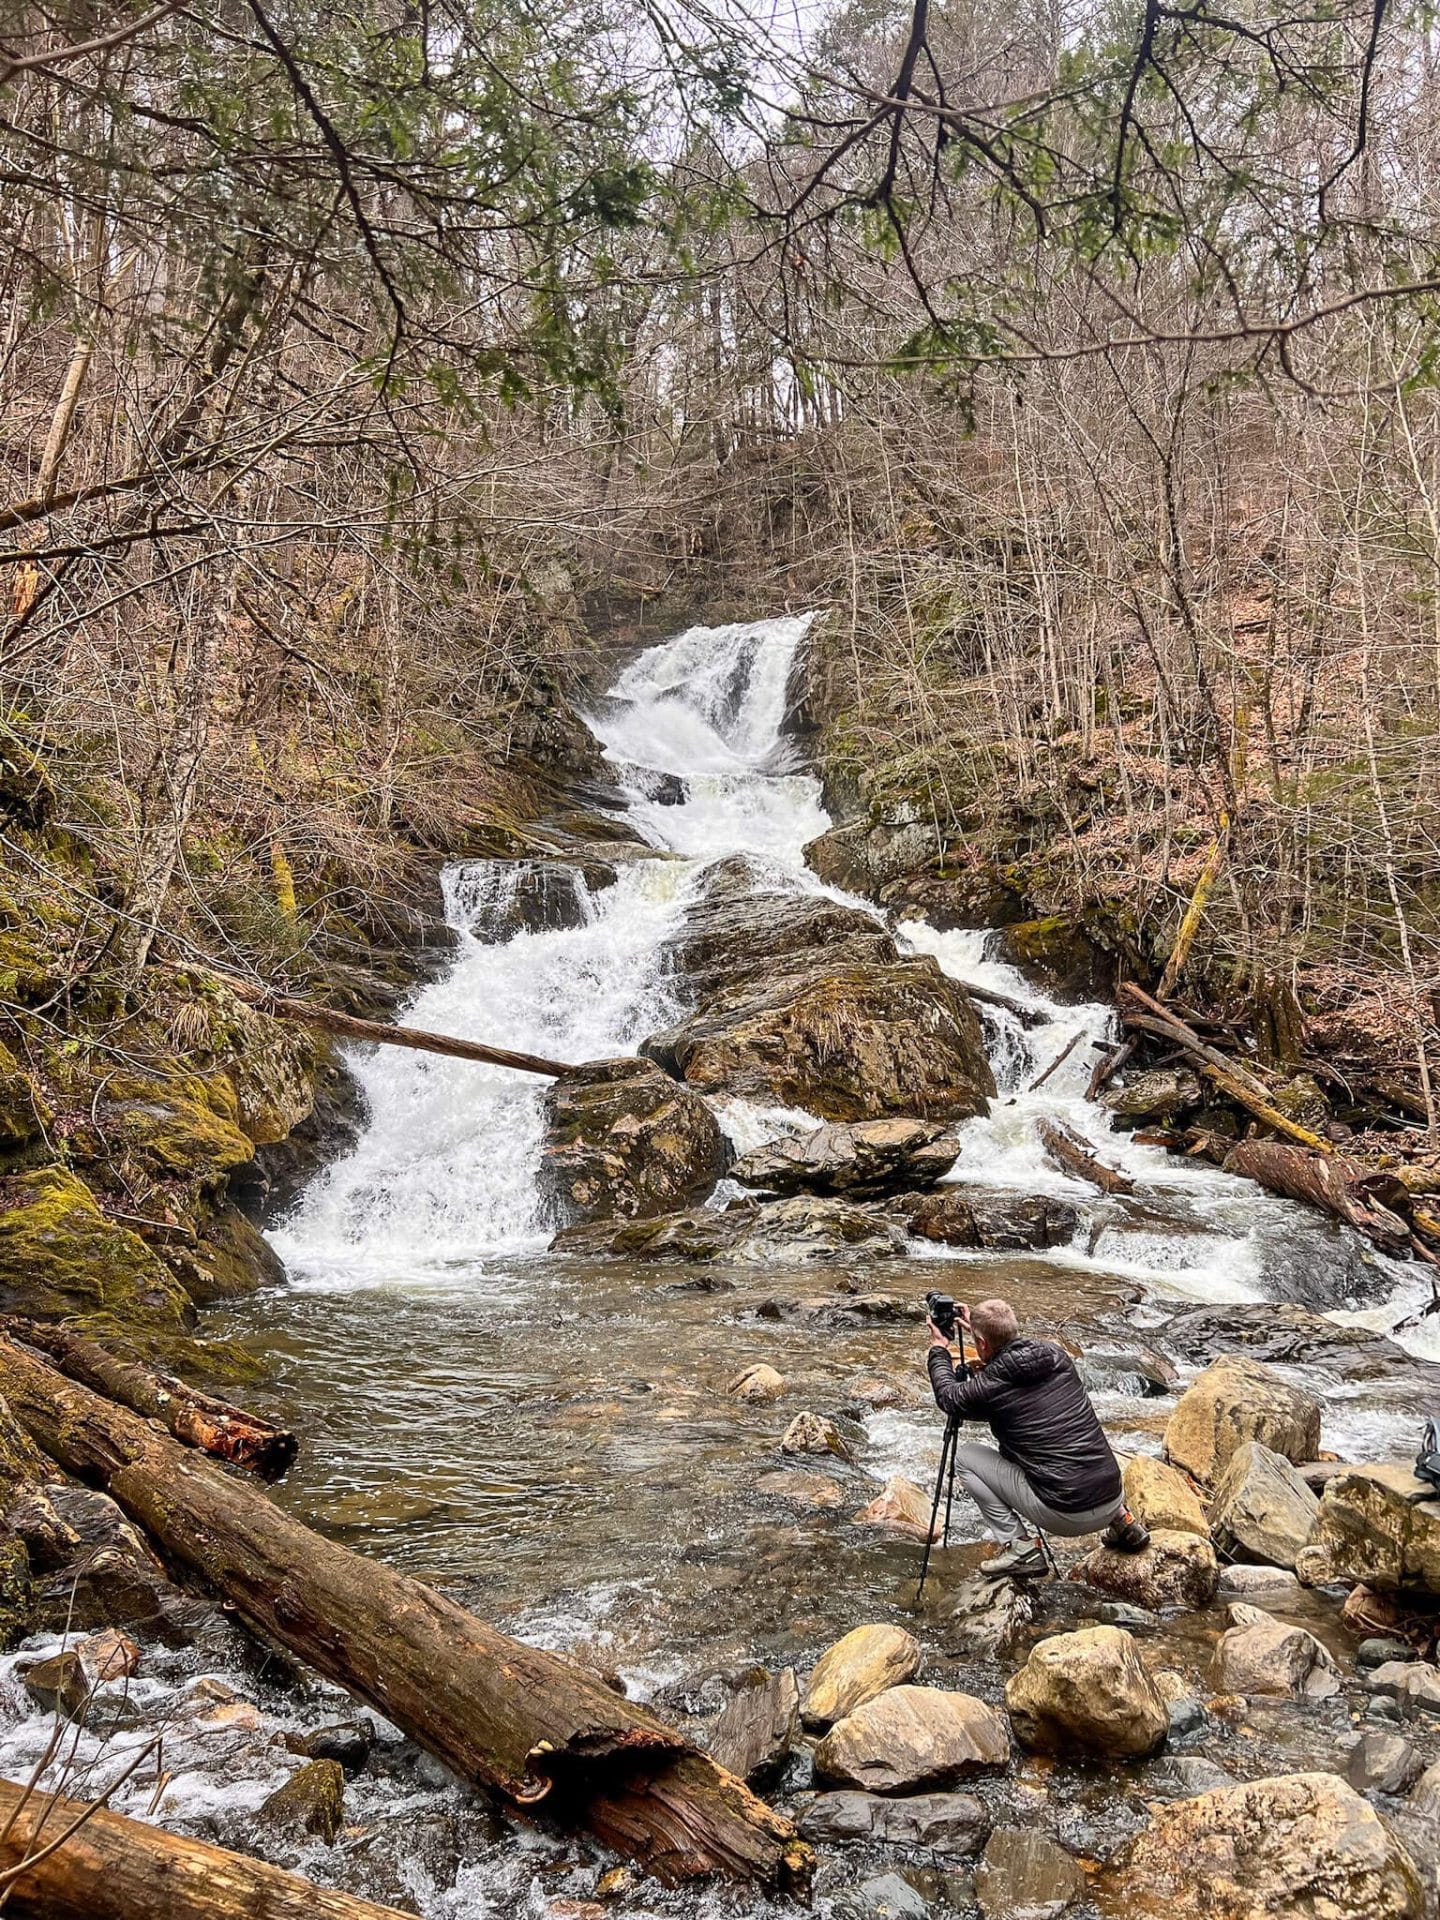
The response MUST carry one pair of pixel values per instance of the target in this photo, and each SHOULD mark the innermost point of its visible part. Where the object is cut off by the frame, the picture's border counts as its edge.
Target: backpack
(1427, 1461)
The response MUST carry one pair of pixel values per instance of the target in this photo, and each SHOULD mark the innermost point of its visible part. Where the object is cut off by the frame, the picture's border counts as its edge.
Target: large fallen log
(1363, 1198)
(349, 1026)
(1069, 1151)
(523, 1723)
(106, 1867)
(200, 1420)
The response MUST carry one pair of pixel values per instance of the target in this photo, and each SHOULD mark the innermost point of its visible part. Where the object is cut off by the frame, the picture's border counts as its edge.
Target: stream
(547, 1435)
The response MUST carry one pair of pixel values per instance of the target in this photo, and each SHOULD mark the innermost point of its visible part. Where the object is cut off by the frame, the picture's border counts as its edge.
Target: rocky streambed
(635, 1369)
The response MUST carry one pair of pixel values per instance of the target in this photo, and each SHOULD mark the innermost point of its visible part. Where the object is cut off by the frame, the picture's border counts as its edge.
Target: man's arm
(964, 1399)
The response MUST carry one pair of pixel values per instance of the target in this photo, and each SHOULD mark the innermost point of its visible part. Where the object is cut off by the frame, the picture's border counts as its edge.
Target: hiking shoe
(1019, 1561)
(1126, 1536)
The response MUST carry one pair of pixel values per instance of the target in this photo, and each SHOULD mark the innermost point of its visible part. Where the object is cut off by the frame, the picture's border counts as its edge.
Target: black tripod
(945, 1478)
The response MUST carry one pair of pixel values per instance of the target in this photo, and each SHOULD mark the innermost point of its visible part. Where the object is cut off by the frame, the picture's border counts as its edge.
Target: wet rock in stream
(853, 1042)
(1261, 1509)
(801, 1231)
(857, 1669)
(1087, 1693)
(1302, 1844)
(952, 1823)
(1281, 1333)
(1160, 1496)
(1175, 1570)
(909, 1738)
(1259, 1654)
(866, 1158)
(1379, 1525)
(623, 1142)
(1005, 1222)
(1026, 1876)
(757, 1728)
(1235, 1400)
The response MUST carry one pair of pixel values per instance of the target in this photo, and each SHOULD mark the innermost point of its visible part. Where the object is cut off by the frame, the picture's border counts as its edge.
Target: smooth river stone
(856, 1669)
(911, 1738)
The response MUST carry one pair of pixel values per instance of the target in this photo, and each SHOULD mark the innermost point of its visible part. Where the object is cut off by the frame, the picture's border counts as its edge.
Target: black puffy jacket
(1041, 1417)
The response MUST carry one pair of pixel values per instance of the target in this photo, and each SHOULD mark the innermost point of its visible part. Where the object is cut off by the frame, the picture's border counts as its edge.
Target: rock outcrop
(1379, 1525)
(848, 1042)
(1261, 1509)
(1233, 1401)
(1304, 1844)
(866, 1158)
(863, 1665)
(1175, 1570)
(1160, 1094)
(909, 1738)
(1087, 1693)
(624, 1142)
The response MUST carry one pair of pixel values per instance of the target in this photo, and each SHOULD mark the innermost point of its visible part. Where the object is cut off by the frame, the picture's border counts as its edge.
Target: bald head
(994, 1325)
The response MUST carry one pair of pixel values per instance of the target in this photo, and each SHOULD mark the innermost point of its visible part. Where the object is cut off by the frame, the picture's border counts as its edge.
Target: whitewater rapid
(442, 1183)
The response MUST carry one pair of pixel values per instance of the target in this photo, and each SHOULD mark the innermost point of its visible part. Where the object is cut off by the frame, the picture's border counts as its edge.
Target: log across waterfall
(519, 1721)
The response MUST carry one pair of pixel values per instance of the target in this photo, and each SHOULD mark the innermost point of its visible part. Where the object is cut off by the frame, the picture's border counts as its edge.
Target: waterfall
(442, 1184)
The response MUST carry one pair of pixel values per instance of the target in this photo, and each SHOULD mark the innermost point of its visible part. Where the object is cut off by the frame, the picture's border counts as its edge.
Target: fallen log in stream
(106, 1867)
(200, 1420)
(521, 1722)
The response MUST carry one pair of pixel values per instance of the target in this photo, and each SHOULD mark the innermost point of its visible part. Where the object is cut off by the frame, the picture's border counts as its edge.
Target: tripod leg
(947, 1457)
(950, 1488)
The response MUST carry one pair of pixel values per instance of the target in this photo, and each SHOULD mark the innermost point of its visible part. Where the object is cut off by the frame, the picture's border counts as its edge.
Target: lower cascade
(695, 1449)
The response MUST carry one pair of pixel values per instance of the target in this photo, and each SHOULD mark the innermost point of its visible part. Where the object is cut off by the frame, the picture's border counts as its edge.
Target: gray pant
(1007, 1501)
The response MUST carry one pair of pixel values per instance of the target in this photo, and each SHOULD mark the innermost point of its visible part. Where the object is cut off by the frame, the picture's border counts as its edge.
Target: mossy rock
(231, 1257)
(60, 1257)
(172, 1127)
(26, 795)
(312, 1801)
(23, 1112)
(16, 1592)
(1062, 951)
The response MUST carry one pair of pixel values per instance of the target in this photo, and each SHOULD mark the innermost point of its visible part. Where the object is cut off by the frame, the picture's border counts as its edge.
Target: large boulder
(866, 1158)
(1161, 1496)
(909, 1738)
(624, 1142)
(856, 1669)
(1087, 1693)
(870, 854)
(849, 1042)
(1304, 1845)
(1379, 1525)
(1233, 1401)
(1262, 1655)
(741, 926)
(804, 1231)
(1261, 1509)
(1175, 1570)
(1007, 1222)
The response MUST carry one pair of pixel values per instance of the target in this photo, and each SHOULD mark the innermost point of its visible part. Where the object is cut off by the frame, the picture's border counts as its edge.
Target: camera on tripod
(941, 1310)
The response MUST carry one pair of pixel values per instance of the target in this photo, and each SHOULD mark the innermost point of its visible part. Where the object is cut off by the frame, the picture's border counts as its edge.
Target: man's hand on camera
(937, 1338)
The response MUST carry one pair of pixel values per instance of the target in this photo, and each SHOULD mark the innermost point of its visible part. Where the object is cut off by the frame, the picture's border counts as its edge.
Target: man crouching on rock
(1053, 1467)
